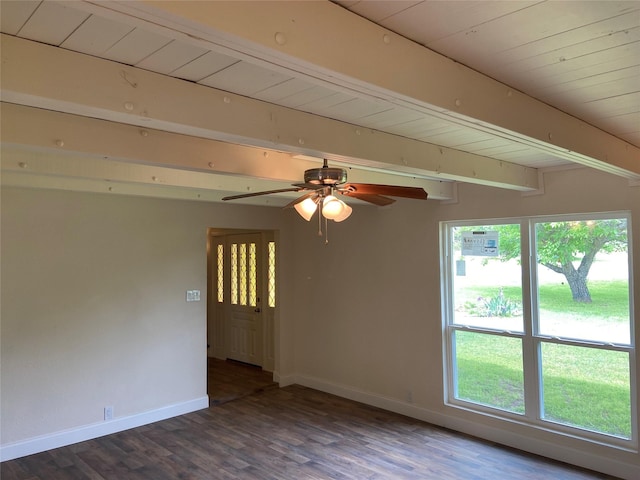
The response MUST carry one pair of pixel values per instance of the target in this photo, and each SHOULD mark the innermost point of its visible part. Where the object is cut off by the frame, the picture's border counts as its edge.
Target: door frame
(216, 334)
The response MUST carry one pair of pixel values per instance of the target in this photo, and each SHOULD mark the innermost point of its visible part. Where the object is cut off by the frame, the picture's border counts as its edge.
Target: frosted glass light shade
(346, 211)
(306, 208)
(332, 207)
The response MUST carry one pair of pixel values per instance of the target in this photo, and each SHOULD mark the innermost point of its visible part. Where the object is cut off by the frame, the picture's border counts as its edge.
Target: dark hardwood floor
(230, 380)
(254, 430)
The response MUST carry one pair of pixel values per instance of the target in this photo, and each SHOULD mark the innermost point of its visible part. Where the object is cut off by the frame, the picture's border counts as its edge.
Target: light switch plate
(193, 295)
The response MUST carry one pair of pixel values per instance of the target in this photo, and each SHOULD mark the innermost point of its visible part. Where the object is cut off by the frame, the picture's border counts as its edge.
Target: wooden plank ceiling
(421, 93)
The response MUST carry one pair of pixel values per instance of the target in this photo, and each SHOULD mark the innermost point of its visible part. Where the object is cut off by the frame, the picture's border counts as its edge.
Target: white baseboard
(284, 380)
(386, 403)
(556, 451)
(88, 432)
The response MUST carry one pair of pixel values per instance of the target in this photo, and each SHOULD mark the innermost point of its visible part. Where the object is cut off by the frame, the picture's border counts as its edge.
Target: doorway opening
(241, 312)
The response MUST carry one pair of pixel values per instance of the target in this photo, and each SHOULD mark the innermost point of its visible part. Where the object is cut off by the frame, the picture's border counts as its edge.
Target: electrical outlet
(108, 413)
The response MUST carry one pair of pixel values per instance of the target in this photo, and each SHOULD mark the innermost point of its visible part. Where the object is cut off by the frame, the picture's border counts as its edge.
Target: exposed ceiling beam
(93, 87)
(47, 143)
(317, 39)
(34, 168)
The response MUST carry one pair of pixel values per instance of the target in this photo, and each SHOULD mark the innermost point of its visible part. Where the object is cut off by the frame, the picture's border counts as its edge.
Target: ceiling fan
(321, 185)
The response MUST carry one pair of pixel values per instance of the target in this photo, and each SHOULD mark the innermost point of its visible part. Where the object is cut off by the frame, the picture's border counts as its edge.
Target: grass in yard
(584, 387)
(490, 370)
(610, 299)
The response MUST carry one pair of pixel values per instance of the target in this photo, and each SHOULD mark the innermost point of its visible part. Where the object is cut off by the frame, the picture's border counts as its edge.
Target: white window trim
(530, 337)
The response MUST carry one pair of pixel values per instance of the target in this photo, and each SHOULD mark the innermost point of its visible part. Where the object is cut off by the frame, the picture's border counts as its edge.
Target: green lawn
(584, 387)
(490, 370)
(610, 300)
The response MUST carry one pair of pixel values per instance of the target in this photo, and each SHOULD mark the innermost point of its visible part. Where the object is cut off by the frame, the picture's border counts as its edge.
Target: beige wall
(372, 327)
(371, 300)
(93, 305)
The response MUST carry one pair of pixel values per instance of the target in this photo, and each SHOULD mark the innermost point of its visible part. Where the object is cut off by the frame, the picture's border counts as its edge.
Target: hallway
(228, 380)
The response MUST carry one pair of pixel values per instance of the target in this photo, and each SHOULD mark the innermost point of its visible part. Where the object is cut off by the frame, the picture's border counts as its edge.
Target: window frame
(531, 337)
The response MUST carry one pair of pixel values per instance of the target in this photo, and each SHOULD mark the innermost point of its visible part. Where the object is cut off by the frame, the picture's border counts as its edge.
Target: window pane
(271, 275)
(587, 388)
(489, 370)
(242, 274)
(220, 272)
(487, 282)
(234, 273)
(583, 280)
(253, 295)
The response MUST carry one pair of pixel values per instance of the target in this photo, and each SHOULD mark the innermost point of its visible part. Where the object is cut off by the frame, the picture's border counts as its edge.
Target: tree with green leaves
(569, 248)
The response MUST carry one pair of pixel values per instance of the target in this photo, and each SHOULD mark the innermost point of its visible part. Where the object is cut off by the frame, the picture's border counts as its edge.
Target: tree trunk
(578, 285)
(577, 278)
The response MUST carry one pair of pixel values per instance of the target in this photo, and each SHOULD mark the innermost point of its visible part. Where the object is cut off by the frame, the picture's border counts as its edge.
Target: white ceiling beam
(93, 87)
(92, 185)
(61, 170)
(43, 142)
(325, 41)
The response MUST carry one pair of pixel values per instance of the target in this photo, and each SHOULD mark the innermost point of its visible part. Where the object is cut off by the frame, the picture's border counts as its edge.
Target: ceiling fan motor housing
(325, 176)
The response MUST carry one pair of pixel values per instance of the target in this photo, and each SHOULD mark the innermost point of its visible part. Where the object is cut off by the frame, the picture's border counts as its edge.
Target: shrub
(497, 306)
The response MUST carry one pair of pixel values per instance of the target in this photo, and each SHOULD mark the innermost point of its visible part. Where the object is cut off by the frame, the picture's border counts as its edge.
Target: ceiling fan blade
(371, 198)
(267, 192)
(300, 199)
(390, 190)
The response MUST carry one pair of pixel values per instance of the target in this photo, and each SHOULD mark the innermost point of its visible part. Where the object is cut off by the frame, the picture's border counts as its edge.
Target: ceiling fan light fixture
(333, 208)
(306, 208)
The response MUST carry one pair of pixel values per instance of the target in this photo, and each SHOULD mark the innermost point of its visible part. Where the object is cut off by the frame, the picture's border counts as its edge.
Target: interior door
(243, 312)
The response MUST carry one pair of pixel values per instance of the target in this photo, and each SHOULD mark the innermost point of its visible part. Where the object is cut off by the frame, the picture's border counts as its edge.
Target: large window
(539, 324)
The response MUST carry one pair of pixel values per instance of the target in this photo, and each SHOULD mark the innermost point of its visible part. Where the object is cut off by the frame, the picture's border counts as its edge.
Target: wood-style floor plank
(230, 380)
(254, 431)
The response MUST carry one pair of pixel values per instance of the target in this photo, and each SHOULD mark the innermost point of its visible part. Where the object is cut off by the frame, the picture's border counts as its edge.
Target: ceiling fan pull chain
(320, 218)
(326, 231)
